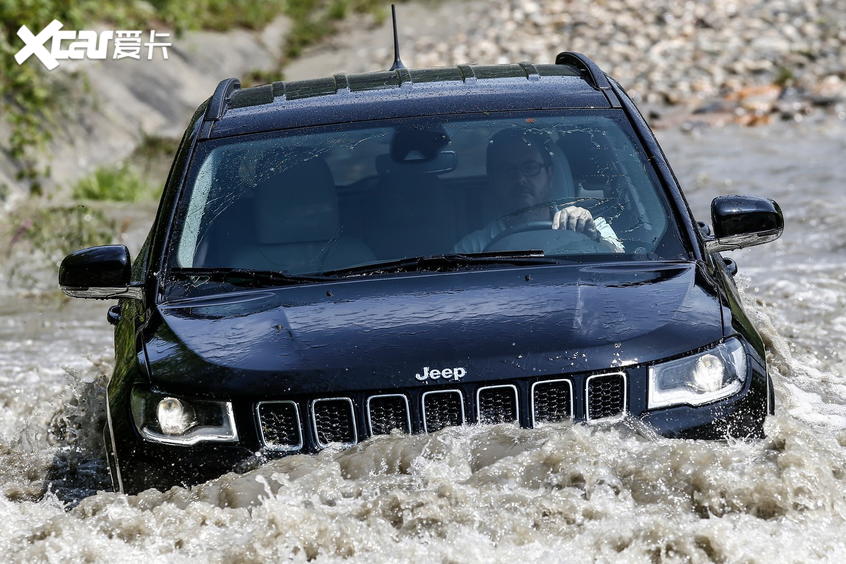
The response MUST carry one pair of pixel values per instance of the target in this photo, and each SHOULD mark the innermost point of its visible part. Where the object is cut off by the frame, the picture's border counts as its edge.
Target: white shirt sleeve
(608, 235)
(476, 241)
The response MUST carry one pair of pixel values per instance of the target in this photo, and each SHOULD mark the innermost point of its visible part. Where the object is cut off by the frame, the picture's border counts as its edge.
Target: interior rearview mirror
(99, 273)
(744, 221)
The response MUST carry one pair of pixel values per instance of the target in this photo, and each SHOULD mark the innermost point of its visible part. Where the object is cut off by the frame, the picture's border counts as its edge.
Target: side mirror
(98, 272)
(744, 221)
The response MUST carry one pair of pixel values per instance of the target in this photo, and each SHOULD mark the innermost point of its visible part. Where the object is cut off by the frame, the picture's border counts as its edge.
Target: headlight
(167, 419)
(699, 379)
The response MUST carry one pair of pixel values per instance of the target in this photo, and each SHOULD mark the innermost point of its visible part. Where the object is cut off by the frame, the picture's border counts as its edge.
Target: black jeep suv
(407, 250)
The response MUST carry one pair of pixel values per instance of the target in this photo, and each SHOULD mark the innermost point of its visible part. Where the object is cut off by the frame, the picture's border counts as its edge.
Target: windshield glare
(573, 185)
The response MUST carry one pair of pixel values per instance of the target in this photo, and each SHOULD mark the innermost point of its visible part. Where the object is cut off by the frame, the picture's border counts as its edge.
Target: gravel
(747, 60)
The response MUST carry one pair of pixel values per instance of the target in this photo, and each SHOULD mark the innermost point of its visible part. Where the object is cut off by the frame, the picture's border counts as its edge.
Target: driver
(519, 167)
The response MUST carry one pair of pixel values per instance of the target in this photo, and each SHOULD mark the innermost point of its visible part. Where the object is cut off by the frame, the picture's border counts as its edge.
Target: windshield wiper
(248, 277)
(447, 262)
(245, 276)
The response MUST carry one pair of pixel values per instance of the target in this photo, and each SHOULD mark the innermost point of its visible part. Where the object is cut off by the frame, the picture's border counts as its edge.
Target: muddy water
(496, 493)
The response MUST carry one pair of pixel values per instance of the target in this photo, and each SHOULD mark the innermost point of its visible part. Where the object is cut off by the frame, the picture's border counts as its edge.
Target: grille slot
(334, 421)
(442, 409)
(552, 401)
(497, 404)
(388, 412)
(605, 396)
(279, 424)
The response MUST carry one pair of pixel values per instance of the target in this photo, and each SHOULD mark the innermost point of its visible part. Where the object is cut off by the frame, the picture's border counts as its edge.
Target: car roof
(573, 83)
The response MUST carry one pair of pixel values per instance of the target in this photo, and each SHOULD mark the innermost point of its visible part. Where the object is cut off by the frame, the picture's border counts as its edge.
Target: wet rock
(825, 101)
(756, 99)
(713, 107)
(682, 54)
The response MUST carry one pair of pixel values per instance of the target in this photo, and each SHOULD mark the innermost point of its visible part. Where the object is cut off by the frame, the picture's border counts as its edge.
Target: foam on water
(480, 493)
(562, 493)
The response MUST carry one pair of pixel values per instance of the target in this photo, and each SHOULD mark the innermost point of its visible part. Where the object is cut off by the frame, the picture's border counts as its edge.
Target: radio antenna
(397, 61)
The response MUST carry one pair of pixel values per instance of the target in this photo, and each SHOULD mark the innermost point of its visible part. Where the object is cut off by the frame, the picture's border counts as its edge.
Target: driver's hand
(574, 218)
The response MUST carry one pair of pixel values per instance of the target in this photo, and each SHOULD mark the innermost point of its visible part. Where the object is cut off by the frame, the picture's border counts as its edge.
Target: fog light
(175, 416)
(708, 373)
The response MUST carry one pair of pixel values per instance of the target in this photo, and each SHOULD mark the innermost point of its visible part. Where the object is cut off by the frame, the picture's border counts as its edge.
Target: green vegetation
(784, 77)
(25, 96)
(256, 77)
(139, 178)
(114, 183)
(152, 159)
(28, 94)
(217, 15)
(27, 99)
(60, 230)
(153, 149)
(33, 101)
(38, 236)
(315, 19)
(312, 21)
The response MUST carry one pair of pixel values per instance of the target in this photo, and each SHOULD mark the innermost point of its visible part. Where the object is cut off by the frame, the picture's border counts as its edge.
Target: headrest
(418, 142)
(585, 150)
(443, 162)
(297, 202)
(506, 140)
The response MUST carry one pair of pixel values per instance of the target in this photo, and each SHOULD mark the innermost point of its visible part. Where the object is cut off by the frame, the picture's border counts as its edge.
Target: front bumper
(143, 464)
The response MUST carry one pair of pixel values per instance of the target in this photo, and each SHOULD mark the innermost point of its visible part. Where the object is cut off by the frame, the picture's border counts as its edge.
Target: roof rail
(217, 104)
(595, 76)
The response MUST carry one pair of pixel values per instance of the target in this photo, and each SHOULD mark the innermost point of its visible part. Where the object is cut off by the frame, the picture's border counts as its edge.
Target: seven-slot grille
(333, 420)
(497, 404)
(605, 396)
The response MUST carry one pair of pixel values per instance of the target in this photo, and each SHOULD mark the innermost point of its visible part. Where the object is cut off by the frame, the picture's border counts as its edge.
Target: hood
(378, 333)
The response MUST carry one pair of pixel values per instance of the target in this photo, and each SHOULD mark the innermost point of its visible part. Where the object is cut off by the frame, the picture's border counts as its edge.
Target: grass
(139, 181)
(60, 230)
(27, 92)
(313, 20)
(256, 77)
(152, 158)
(27, 98)
(40, 236)
(114, 183)
(217, 15)
(36, 238)
(784, 77)
(155, 147)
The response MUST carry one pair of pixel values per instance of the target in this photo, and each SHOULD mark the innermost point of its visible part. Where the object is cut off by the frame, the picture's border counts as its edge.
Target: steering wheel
(565, 241)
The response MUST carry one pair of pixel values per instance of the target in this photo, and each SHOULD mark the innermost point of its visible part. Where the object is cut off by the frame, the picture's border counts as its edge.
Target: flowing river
(568, 493)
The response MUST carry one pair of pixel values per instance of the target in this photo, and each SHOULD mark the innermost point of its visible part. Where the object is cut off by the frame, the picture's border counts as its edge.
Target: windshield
(573, 186)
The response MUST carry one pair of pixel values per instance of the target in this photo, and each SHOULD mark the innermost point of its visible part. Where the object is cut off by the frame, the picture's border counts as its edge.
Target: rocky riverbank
(686, 63)
(717, 61)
